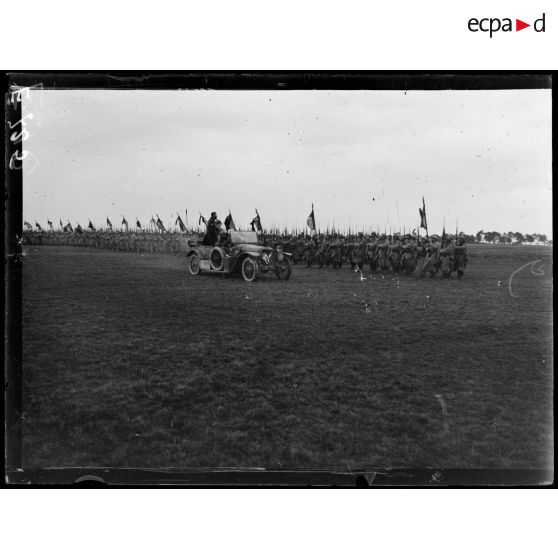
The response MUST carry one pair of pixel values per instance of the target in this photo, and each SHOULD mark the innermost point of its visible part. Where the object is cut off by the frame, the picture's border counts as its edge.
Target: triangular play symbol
(519, 25)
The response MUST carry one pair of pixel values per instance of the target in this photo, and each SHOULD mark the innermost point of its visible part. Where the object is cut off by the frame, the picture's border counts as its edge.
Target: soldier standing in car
(212, 231)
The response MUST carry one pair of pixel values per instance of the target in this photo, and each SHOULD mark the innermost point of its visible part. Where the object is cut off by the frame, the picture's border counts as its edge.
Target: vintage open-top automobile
(240, 253)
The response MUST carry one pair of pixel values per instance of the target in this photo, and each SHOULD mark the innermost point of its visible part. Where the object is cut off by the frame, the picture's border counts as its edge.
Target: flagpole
(426, 219)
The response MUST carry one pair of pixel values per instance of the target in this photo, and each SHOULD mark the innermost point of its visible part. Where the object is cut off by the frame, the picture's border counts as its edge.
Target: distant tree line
(495, 237)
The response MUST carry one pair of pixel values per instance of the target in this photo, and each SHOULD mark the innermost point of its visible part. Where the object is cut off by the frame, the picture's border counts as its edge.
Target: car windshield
(244, 237)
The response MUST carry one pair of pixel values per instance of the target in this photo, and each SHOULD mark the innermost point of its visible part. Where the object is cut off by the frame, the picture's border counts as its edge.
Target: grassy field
(129, 361)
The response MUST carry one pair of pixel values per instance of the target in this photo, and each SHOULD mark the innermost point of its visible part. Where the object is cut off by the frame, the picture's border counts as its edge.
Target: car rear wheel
(283, 270)
(194, 264)
(249, 269)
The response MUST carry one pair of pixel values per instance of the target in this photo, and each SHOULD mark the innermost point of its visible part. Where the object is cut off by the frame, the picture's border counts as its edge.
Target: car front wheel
(194, 264)
(249, 269)
(283, 270)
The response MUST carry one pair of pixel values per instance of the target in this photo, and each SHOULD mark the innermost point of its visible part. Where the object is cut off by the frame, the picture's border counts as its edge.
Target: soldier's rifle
(441, 243)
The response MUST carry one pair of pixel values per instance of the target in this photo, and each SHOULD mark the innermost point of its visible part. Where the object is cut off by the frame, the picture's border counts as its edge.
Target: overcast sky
(364, 158)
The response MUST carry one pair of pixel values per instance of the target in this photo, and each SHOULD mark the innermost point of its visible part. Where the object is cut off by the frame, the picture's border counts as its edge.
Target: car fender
(253, 254)
(239, 258)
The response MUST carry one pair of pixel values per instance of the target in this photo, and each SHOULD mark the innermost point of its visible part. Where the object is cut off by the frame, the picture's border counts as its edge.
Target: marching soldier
(335, 255)
(421, 254)
(408, 255)
(349, 251)
(383, 250)
(460, 257)
(301, 247)
(372, 253)
(446, 258)
(309, 252)
(394, 254)
(321, 253)
(359, 252)
(431, 259)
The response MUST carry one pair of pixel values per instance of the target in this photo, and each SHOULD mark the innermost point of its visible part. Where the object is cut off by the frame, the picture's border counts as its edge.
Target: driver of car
(225, 241)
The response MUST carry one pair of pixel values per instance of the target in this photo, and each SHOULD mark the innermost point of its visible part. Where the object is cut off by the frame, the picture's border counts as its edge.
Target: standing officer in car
(212, 231)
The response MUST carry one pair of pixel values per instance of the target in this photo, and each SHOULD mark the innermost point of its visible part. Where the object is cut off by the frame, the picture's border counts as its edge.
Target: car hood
(253, 248)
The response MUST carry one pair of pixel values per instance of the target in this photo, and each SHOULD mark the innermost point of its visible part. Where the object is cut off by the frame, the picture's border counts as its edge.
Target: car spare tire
(217, 258)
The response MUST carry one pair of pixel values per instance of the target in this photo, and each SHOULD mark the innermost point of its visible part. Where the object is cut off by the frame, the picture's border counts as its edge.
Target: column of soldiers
(119, 241)
(397, 253)
(381, 253)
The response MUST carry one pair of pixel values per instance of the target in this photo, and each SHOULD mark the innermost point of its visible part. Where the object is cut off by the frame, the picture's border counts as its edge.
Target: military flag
(229, 223)
(138, 224)
(50, 225)
(124, 222)
(39, 228)
(90, 226)
(180, 223)
(152, 222)
(257, 223)
(78, 229)
(201, 220)
(160, 225)
(61, 224)
(311, 222)
(28, 226)
(109, 224)
(422, 212)
(68, 228)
